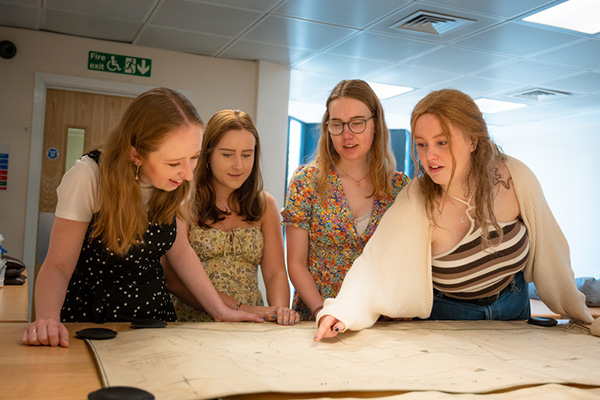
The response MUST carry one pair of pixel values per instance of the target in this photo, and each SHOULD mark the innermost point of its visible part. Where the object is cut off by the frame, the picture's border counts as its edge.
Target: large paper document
(208, 360)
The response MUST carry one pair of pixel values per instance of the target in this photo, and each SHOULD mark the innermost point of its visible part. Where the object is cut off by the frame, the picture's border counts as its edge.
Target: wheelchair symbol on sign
(113, 65)
(130, 65)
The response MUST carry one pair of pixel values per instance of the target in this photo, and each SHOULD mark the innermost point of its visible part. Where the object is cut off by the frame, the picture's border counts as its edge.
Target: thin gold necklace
(358, 181)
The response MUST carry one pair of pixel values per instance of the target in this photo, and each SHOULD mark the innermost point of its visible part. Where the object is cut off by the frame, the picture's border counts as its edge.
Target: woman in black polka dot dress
(119, 211)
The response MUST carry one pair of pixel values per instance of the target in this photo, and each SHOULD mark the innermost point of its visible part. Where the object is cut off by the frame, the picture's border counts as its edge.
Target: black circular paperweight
(542, 321)
(120, 393)
(96, 333)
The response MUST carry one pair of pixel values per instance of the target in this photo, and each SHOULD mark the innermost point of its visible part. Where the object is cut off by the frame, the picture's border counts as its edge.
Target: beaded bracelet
(238, 305)
(316, 311)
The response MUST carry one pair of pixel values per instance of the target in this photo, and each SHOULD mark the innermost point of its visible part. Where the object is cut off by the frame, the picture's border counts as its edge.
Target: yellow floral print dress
(231, 261)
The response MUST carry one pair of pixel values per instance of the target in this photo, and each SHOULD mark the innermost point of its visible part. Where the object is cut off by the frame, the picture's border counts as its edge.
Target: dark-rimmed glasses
(356, 126)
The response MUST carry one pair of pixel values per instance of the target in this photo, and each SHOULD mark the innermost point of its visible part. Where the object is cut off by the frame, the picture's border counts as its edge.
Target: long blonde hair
(382, 163)
(453, 107)
(248, 199)
(122, 219)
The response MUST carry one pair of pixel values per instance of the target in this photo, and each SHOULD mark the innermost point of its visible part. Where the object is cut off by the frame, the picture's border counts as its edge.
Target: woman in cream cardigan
(461, 241)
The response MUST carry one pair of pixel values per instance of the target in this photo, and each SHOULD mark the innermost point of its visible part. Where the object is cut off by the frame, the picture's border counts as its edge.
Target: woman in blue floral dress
(334, 204)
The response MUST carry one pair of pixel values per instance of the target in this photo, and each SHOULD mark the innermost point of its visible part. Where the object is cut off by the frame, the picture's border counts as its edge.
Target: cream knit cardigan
(392, 276)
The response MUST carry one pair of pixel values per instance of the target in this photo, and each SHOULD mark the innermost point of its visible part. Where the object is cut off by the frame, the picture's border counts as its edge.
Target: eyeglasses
(356, 126)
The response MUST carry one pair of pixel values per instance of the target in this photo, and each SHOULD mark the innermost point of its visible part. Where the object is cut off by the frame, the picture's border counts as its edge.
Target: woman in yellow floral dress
(334, 204)
(238, 226)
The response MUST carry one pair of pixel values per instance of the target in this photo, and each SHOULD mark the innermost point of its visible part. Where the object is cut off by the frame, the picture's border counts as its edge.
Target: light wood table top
(539, 309)
(14, 303)
(56, 373)
(32, 372)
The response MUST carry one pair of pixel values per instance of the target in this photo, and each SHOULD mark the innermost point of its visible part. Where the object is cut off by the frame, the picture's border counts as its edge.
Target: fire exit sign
(119, 64)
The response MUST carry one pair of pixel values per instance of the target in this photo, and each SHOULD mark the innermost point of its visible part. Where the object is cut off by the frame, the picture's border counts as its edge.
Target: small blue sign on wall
(3, 169)
(52, 153)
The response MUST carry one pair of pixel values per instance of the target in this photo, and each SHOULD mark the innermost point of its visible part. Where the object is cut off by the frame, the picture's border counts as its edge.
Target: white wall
(564, 157)
(212, 84)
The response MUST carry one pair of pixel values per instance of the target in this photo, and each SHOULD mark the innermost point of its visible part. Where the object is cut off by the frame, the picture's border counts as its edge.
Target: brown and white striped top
(467, 271)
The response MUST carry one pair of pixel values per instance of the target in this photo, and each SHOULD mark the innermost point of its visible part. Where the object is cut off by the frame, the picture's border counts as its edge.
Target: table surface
(538, 308)
(55, 373)
(14, 303)
(31, 372)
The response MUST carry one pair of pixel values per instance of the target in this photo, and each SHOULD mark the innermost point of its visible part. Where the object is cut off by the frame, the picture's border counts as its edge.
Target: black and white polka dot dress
(108, 287)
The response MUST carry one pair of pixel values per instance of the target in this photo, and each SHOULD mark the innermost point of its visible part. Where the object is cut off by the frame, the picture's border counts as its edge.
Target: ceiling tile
(376, 46)
(477, 86)
(306, 84)
(205, 18)
(34, 3)
(19, 16)
(587, 82)
(517, 40)
(405, 75)
(90, 26)
(503, 9)
(250, 50)
(296, 33)
(256, 5)
(461, 61)
(188, 42)
(582, 103)
(130, 10)
(584, 54)
(351, 13)
(344, 67)
(526, 72)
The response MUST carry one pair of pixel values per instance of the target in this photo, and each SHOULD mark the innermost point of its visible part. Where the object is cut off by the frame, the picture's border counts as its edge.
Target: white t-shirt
(78, 191)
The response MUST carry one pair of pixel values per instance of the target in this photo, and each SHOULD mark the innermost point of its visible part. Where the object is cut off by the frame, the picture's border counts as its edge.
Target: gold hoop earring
(137, 173)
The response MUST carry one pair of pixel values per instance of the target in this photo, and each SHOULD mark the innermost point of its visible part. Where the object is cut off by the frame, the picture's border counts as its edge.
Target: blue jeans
(513, 304)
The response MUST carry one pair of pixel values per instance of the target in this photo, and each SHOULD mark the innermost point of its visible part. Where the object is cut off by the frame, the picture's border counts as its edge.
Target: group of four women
(169, 220)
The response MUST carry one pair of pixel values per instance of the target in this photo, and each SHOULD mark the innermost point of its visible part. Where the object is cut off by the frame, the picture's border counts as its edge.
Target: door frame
(44, 81)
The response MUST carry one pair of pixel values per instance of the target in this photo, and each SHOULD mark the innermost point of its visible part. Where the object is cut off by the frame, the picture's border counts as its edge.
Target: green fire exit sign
(119, 64)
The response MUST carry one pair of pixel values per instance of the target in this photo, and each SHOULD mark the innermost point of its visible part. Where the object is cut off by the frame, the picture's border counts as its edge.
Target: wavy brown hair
(248, 200)
(122, 219)
(453, 107)
(382, 163)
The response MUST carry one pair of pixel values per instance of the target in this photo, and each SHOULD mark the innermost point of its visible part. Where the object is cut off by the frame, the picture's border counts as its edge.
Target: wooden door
(97, 115)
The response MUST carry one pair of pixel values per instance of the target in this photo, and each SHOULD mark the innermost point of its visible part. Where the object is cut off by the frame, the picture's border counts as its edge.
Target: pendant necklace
(225, 210)
(358, 182)
(463, 218)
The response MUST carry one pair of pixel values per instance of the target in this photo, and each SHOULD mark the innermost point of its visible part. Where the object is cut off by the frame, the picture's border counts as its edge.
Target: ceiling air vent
(538, 94)
(430, 22)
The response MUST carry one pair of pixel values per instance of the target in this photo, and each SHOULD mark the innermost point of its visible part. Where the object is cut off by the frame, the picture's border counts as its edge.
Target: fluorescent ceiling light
(576, 15)
(489, 106)
(384, 91)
